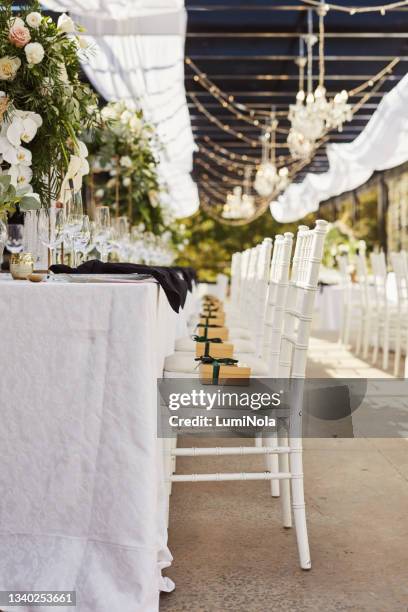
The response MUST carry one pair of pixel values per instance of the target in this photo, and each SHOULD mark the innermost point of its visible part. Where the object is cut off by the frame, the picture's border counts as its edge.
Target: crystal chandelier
(268, 179)
(313, 114)
(240, 205)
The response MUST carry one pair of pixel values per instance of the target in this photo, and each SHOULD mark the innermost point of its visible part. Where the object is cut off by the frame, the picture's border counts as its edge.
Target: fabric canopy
(139, 58)
(383, 144)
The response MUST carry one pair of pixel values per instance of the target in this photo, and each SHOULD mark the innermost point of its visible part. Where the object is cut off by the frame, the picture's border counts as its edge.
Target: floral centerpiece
(124, 162)
(44, 106)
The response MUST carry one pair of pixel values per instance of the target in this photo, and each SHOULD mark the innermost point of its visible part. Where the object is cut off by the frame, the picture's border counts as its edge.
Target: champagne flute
(82, 238)
(74, 213)
(102, 230)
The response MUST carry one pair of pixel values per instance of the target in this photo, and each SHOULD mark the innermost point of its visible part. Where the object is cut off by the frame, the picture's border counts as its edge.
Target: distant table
(82, 501)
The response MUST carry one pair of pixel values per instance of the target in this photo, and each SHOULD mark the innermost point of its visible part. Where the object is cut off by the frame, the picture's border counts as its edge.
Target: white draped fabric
(139, 57)
(383, 144)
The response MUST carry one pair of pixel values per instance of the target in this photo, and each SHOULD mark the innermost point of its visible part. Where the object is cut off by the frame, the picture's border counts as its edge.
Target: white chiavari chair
(347, 299)
(363, 309)
(293, 354)
(383, 313)
(399, 262)
(256, 278)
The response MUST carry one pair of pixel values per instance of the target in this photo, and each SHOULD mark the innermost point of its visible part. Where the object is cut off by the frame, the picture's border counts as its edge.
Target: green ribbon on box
(207, 342)
(216, 364)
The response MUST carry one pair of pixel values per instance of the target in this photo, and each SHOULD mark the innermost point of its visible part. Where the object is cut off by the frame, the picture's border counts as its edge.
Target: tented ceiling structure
(249, 50)
(139, 57)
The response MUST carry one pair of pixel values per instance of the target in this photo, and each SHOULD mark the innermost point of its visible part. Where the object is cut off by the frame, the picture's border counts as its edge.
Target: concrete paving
(232, 554)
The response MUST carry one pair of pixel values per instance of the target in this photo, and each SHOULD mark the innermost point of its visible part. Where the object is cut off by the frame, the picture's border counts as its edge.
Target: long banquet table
(82, 501)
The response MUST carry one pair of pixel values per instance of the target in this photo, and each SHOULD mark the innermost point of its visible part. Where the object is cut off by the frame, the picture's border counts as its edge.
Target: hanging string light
(269, 180)
(354, 10)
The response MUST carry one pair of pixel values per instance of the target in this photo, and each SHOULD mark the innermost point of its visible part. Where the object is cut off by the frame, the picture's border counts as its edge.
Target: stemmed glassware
(103, 230)
(15, 237)
(74, 214)
(82, 238)
(51, 227)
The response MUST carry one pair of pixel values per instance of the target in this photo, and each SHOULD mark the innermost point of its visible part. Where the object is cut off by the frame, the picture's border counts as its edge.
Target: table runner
(81, 500)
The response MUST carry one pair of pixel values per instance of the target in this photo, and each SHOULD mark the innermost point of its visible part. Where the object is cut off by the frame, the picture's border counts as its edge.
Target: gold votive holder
(21, 265)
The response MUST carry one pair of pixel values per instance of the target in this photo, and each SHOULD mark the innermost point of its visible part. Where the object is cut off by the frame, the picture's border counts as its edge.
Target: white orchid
(21, 177)
(30, 115)
(78, 167)
(65, 24)
(14, 155)
(21, 130)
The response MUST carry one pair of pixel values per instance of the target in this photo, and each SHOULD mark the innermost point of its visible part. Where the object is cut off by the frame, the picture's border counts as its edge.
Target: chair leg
(359, 337)
(366, 336)
(386, 344)
(272, 462)
(347, 330)
(285, 485)
(298, 504)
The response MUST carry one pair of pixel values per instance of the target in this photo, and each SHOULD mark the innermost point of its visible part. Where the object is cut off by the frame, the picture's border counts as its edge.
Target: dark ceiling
(248, 49)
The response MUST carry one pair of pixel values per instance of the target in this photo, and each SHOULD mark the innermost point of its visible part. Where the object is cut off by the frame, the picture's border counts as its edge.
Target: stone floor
(232, 554)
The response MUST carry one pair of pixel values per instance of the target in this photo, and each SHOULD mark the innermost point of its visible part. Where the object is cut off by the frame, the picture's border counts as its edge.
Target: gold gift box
(213, 332)
(228, 374)
(218, 350)
(218, 320)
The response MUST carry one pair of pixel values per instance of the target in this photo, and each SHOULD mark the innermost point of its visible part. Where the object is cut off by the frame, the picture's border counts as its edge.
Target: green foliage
(124, 162)
(211, 244)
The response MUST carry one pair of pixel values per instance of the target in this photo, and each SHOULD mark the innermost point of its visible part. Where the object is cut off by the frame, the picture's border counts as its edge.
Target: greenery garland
(39, 77)
(124, 156)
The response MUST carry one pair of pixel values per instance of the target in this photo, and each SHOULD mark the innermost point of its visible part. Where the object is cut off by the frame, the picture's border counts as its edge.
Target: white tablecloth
(82, 503)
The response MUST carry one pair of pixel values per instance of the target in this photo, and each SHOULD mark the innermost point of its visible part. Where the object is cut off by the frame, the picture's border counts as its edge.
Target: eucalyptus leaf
(5, 180)
(29, 203)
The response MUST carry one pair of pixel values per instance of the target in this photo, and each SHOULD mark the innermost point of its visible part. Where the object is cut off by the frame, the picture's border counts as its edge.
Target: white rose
(82, 42)
(125, 161)
(34, 19)
(126, 116)
(108, 113)
(16, 21)
(127, 181)
(34, 53)
(65, 24)
(8, 67)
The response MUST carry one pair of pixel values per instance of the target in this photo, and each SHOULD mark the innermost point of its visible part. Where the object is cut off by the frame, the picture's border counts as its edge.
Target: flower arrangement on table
(43, 106)
(124, 175)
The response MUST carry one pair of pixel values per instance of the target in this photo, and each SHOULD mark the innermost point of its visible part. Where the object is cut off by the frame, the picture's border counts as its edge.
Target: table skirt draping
(82, 501)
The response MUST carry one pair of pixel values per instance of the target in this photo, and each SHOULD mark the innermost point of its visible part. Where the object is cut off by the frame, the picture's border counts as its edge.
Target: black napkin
(189, 275)
(173, 286)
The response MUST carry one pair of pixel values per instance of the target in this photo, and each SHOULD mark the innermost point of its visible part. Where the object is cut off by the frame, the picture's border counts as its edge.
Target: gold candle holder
(21, 265)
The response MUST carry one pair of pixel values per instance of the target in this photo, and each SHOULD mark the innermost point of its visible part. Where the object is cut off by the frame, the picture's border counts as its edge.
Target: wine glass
(82, 238)
(103, 230)
(74, 213)
(15, 236)
(51, 228)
